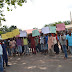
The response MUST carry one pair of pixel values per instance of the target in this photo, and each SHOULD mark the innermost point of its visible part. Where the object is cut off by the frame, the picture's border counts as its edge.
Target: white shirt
(54, 40)
(1, 50)
(41, 40)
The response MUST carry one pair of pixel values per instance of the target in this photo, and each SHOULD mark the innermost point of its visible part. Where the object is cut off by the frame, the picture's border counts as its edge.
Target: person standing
(33, 44)
(8, 48)
(25, 43)
(45, 48)
(1, 58)
(56, 48)
(5, 57)
(69, 41)
(19, 45)
(11, 46)
(22, 45)
(46, 44)
(36, 43)
(42, 42)
(29, 41)
(50, 45)
(14, 47)
(63, 43)
(60, 42)
(39, 45)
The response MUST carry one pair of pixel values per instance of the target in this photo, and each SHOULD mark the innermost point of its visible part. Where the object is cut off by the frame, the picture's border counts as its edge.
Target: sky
(37, 13)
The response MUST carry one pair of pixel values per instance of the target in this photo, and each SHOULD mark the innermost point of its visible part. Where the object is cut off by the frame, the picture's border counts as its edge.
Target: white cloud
(37, 13)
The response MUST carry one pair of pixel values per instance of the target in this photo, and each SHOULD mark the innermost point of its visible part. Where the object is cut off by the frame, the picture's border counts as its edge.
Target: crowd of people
(44, 44)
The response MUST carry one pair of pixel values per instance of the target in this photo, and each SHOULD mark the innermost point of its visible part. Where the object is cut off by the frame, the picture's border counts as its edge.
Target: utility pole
(70, 17)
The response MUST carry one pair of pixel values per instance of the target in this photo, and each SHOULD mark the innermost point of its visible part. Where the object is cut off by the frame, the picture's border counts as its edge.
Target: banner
(9, 34)
(45, 30)
(52, 29)
(23, 34)
(4, 36)
(60, 27)
(15, 32)
(35, 33)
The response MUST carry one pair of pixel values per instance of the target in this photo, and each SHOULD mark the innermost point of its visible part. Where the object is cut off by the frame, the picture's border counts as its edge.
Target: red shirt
(0, 43)
(32, 40)
(55, 36)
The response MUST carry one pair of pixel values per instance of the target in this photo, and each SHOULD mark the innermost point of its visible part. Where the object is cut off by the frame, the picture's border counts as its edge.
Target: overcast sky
(37, 13)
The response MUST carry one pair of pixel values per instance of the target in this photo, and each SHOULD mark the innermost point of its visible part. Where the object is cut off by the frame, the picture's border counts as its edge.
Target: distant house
(68, 27)
(30, 31)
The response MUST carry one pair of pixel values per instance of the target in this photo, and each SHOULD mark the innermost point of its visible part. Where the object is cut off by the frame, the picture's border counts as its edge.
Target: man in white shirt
(42, 42)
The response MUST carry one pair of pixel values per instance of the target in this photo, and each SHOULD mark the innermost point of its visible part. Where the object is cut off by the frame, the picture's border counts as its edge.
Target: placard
(60, 27)
(45, 30)
(35, 33)
(52, 29)
(23, 34)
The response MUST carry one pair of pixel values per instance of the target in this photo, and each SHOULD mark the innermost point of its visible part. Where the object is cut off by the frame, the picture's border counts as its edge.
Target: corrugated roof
(30, 31)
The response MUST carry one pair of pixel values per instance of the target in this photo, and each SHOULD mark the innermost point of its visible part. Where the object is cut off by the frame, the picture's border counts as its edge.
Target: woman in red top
(33, 44)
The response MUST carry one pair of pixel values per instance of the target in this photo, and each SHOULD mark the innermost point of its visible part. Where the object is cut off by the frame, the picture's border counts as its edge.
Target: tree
(59, 22)
(67, 22)
(46, 25)
(35, 28)
(6, 29)
(12, 28)
(9, 3)
(1, 32)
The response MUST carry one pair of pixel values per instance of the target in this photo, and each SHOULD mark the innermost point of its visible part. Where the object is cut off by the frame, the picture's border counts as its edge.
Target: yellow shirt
(25, 42)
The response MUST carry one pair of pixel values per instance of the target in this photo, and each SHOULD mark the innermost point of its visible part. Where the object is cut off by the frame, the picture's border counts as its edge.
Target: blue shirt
(58, 37)
(4, 49)
(69, 38)
(46, 39)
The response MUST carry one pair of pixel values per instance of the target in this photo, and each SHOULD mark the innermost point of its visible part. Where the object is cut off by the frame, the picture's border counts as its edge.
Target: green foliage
(59, 22)
(1, 32)
(6, 29)
(67, 22)
(35, 28)
(9, 3)
(46, 25)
